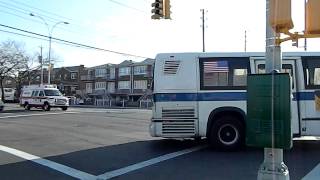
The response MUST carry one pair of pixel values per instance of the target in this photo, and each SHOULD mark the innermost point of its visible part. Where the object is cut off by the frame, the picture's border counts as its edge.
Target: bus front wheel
(227, 133)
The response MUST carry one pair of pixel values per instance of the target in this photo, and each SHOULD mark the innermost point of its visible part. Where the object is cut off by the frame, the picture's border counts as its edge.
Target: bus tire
(46, 106)
(227, 133)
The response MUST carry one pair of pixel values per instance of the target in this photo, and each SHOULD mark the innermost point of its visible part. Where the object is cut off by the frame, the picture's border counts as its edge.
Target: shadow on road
(204, 164)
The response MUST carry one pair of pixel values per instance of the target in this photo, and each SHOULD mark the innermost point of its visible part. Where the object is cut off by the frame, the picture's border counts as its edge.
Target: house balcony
(86, 77)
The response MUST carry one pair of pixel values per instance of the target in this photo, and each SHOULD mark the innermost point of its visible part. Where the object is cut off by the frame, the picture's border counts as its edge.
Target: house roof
(126, 63)
(72, 68)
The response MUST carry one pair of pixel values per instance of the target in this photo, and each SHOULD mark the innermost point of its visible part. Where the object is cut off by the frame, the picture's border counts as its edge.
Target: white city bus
(204, 95)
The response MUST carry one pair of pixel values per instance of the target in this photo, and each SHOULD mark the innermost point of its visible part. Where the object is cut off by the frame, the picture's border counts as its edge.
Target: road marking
(50, 164)
(7, 113)
(314, 174)
(42, 114)
(119, 172)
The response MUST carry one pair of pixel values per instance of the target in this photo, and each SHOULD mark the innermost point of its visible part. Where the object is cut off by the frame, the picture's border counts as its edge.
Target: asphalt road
(102, 144)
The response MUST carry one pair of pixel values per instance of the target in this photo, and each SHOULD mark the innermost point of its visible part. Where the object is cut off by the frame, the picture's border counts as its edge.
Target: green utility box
(269, 111)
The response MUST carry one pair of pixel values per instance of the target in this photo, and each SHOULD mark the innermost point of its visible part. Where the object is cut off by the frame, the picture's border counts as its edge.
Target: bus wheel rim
(228, 134)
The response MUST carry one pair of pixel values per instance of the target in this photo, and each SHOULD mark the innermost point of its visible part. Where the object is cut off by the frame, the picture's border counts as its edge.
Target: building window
(124, 85)
(140, 70)
(124, 71)
(100, 72)
(65, 76)
(141, 84)
(89, 87)
(111, 87)
(223, 73)
(112, 73)
(100, 85)
(73, 75)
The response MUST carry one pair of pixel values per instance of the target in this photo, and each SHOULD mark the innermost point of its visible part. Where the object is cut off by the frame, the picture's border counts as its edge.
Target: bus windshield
(52, 92)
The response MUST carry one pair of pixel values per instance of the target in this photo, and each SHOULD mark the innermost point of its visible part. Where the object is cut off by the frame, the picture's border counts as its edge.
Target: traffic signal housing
(280, 15)
(166, 9)
(157, 11)
(312, 17)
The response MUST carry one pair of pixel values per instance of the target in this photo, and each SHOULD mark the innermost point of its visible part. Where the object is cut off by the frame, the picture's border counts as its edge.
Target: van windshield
(52, 92)
(8, 90)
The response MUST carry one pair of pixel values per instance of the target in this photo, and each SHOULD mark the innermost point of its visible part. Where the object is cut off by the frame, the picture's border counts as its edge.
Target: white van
(8, 94)
(1, 105)
(43, 96)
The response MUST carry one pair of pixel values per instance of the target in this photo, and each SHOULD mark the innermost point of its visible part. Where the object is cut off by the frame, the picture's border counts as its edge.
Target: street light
(50, 38)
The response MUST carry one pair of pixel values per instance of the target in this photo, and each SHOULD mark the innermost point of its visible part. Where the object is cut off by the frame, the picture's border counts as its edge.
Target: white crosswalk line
(314, 174)
(50, 164)
(40, 114)
(119, 172)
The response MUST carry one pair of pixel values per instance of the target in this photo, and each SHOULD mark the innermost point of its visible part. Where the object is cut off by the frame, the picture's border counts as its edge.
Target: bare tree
(12, 60)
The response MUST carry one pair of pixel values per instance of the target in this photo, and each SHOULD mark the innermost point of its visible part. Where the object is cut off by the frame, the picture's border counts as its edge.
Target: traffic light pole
(273, 167)
(203, 27)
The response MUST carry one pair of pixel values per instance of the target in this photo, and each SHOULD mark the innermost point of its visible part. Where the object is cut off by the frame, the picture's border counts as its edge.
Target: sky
(126, 26)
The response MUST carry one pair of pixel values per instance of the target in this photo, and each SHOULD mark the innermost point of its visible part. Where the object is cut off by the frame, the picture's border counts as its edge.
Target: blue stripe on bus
(222, 96)
(219, 96)
(304, 96)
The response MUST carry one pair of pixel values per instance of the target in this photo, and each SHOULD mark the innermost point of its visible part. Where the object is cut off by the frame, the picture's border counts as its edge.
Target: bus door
(310, 96)
(288, 66)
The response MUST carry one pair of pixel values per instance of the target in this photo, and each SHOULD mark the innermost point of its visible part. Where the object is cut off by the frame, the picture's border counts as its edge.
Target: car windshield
(52, 92)
(7, 90)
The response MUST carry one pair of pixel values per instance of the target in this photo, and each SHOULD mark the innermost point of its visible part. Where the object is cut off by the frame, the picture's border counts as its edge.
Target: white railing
(104, 102)
(146, 103)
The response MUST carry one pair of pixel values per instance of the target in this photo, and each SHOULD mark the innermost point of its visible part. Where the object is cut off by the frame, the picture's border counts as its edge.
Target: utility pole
(203, 26)
(305, 24)
(41, 65)
(245, 41)
(273, 166)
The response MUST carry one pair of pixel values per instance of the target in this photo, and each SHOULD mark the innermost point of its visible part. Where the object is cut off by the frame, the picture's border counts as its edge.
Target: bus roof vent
(171, 67)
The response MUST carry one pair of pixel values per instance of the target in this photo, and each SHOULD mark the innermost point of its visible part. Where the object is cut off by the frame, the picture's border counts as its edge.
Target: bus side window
(223, 73)
(240, 77)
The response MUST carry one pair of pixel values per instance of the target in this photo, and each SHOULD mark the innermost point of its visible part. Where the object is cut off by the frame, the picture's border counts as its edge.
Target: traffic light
(166, 10)
(157, 11)
(280, 15)
(312, 17)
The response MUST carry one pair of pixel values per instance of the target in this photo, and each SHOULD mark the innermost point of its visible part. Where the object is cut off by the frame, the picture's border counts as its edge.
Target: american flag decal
(216, 66)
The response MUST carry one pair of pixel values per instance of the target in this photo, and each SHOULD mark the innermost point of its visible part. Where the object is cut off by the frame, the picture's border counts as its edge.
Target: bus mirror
(280, 15)
(312, 17)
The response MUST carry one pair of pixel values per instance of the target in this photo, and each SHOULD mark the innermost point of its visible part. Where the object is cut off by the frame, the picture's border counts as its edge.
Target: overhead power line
(73, 43)
(124, 5)
(22, 11)
(33, 37)
(42, 39)
(44, 11)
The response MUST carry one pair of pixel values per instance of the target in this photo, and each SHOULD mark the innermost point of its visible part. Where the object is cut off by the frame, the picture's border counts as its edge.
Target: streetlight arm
(60, 22)
(44, 21)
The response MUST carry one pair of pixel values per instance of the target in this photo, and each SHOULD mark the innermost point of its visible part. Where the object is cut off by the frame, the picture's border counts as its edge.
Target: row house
(129, 81)
(66, 78)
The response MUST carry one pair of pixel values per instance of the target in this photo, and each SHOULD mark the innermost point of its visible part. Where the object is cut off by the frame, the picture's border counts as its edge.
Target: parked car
(1, 105)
